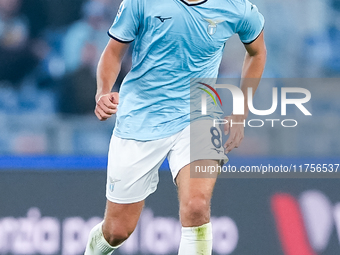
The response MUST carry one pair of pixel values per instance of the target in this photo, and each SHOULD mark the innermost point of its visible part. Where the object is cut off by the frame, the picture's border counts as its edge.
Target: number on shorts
(216, 137)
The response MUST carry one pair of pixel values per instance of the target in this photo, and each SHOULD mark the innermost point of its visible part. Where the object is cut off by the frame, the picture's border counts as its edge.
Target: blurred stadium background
(53, 150)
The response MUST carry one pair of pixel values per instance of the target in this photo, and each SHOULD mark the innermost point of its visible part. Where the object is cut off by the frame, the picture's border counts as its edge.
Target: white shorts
(132, 172)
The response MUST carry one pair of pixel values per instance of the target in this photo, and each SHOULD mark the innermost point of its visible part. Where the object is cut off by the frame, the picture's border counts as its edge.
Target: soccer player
(174, 41)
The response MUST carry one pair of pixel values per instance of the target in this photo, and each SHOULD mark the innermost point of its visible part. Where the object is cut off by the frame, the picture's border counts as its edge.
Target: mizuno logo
(218, 151)
(162, 19)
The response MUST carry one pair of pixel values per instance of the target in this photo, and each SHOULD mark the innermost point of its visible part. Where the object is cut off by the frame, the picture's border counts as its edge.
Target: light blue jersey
(173, 42)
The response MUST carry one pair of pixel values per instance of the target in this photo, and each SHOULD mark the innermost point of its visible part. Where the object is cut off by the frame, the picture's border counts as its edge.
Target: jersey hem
(118, 39)
(117, 134)
(247, 43)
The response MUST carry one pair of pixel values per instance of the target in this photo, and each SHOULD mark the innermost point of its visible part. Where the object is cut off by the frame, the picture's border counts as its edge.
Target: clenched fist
(107, 105)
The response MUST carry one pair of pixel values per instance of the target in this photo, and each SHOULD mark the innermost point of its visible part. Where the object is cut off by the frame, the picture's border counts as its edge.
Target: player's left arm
(253, 66)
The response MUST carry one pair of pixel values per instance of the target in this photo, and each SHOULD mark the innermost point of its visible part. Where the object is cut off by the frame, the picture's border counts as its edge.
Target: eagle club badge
(212, 27)
(112, 183)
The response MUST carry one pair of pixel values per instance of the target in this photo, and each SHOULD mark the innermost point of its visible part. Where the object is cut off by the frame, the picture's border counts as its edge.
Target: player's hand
(107, 105)
(236, 132)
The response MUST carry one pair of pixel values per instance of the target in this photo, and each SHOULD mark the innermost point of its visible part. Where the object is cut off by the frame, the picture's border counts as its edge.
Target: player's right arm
(107, 72)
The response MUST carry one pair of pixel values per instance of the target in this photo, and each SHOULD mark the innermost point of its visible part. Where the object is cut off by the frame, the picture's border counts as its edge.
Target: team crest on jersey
(212, 27)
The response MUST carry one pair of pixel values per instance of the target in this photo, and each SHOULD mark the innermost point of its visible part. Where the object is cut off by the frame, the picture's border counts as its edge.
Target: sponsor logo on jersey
(212, 27)
(162, 19)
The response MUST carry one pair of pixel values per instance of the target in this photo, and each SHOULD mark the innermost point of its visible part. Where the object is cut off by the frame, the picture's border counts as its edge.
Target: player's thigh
(189, 187)
(121, 218)
(198, 142)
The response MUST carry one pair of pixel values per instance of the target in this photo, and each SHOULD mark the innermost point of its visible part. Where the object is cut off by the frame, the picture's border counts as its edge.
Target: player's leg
(119, 222)
(194, 199)
(199, 145)
(132, 175)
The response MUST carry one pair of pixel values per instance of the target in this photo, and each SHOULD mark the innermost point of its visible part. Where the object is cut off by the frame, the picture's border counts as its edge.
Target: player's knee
(195, 210)
(116, 235)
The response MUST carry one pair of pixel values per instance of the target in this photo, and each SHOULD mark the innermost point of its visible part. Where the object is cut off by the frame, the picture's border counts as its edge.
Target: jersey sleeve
(251, 25)
(125, 26)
